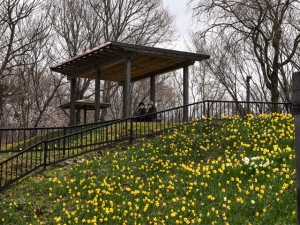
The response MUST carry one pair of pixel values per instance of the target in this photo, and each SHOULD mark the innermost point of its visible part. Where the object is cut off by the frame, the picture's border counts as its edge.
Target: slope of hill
(235, 172)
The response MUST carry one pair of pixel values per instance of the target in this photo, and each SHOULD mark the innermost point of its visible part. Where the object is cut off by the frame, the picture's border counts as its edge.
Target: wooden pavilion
(85, 104)
(125, 63)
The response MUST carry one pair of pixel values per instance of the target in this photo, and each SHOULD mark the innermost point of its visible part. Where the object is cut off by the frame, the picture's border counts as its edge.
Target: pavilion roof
(110, 57)
(85, 104)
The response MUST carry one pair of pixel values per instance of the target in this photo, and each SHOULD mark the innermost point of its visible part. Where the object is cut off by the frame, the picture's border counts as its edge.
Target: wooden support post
(185, 93)
(84, 115)
(72, 102)
(296, 113)
(152, 88)
(124, 100)
(97, 95)
(126, 89)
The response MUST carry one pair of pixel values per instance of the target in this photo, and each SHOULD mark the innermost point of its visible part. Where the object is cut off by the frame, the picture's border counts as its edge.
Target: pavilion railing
(60, 145)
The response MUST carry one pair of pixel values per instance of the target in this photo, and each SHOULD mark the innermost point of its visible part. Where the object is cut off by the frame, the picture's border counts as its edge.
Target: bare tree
(143, 22)
(223, 67)
(37, 88)
(77, 29)
(21, 26)
(265, 32)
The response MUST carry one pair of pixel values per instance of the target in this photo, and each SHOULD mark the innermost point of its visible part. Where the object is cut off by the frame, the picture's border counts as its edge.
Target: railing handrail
(59, 127)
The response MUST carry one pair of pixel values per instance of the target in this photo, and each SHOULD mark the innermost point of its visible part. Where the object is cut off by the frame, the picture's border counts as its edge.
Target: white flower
(255, 162)
(252, 202)
(246, 160)
(255, 158)
(252, 164)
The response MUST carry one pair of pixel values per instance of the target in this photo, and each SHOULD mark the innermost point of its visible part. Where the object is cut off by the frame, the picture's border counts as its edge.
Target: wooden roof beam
(101, 66)
(161, 71)
(159, 51)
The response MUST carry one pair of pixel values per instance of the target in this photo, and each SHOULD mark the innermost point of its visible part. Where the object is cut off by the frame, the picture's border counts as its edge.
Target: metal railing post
(296, 113)
(45, 154)
(64, 142)
(248, 93)
(208, 115)
(131, 132)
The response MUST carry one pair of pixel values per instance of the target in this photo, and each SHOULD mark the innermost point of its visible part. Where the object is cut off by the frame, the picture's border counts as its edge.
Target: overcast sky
(178, 7)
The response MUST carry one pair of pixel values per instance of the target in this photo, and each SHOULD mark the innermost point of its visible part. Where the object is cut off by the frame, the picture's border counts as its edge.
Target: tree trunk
(1, 103)
(274, 90)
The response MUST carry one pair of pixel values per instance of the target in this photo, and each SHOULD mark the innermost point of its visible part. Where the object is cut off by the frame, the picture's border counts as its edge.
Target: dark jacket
(140, 114)
(153, 116)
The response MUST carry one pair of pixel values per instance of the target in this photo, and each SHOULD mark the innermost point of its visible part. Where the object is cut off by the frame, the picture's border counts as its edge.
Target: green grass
(238, 172)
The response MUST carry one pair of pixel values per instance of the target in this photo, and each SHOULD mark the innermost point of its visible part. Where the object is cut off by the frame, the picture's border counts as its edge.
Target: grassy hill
(235, 172)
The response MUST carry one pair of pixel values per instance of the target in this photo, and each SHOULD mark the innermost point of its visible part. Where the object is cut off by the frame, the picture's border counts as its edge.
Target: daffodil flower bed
(236, 172)
(256, 162)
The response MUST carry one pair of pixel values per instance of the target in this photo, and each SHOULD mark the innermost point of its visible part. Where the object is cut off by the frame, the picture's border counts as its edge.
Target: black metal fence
(18, 139)
(39, 148)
